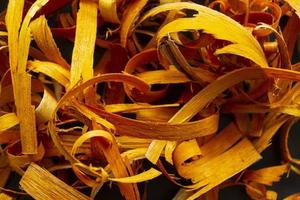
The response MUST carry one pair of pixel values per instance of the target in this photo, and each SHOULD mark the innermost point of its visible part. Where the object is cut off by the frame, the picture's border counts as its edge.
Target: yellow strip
(83, 52)
(8, 121)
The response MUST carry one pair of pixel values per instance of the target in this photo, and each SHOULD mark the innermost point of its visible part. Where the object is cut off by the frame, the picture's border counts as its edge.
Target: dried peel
(146, 80)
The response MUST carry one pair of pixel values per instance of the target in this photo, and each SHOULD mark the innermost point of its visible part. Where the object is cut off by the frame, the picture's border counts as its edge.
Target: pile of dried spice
(147, 80)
